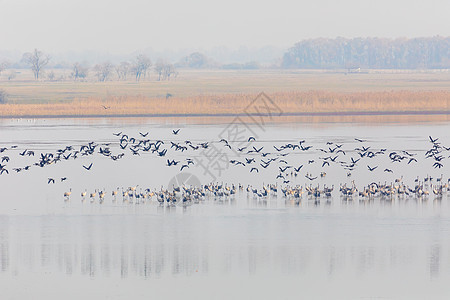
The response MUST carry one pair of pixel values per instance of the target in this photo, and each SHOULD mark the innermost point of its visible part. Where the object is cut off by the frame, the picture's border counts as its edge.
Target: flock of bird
(188, 195)
(247, 154)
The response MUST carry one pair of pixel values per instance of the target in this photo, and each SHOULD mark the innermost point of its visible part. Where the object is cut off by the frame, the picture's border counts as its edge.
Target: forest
(369, 53)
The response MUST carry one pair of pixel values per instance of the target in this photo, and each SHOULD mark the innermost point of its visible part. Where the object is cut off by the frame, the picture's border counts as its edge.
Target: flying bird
(298, 169)
(371, 169)
(88, 167)
(433, 140)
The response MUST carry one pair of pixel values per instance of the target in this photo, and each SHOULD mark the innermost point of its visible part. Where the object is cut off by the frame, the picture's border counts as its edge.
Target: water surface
(238, 247)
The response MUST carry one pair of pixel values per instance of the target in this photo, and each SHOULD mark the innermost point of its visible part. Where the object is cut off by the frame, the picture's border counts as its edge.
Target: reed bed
(295, 102)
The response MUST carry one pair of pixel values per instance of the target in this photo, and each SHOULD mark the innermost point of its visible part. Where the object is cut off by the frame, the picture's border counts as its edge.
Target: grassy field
(229, 92)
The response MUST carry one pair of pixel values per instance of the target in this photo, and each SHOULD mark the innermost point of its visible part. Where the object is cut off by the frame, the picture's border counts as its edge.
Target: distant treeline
(370, 53)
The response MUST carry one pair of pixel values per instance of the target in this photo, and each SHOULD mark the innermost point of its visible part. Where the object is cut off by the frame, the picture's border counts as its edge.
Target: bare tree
(79, 71)
(165, 70)
(141, 66)
(3, 66)
(122, 70)
(103, 71)
(37, 61)
(169, 70)
(51, 76)
(159, 68)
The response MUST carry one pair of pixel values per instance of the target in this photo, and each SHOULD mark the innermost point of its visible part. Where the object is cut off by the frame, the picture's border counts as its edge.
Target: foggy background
(232, 31)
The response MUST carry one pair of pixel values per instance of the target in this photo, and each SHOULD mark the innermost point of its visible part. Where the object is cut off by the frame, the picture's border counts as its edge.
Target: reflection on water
(327, 238)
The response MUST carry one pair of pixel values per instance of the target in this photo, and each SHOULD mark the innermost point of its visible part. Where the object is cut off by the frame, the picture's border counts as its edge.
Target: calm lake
(241, 246)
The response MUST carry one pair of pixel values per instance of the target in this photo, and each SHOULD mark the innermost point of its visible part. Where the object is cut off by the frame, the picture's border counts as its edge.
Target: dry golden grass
(295, 102)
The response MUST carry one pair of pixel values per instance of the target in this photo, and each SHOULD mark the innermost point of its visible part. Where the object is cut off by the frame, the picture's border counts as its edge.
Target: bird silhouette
(411, 160)
(298, 169)
(371, 169)
(310, 178)
(437, 165)
(433, 140)
(88, 167)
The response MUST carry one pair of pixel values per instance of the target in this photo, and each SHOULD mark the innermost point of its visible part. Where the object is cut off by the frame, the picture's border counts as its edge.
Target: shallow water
(222, 248)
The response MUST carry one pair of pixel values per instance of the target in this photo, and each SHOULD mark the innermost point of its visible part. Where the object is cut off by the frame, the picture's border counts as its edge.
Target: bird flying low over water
(411, 160)
(298, 169)
(433, 140)
(437, 165)
(88, 167)
(371, 169)
(172, 162)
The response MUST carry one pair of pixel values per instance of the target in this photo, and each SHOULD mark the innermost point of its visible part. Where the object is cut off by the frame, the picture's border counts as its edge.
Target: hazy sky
(130, 25)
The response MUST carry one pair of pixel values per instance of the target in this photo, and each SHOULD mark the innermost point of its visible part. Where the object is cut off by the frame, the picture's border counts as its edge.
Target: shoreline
(199, 115)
